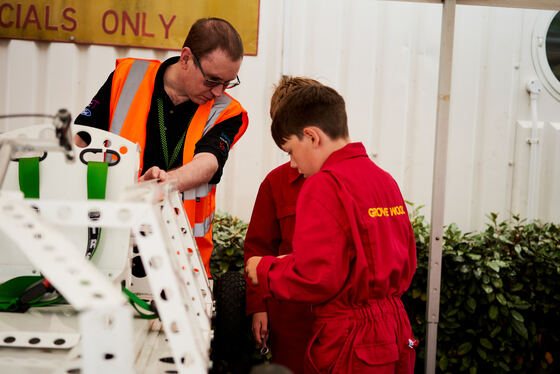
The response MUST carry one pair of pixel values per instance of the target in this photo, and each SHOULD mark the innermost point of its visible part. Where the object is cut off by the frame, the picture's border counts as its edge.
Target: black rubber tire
(231, 326)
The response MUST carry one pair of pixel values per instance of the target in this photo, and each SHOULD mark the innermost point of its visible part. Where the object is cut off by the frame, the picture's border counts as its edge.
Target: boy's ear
(313, 134)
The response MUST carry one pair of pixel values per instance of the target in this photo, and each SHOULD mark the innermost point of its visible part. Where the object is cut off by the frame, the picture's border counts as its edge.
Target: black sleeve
(96, 114)
(218, 142)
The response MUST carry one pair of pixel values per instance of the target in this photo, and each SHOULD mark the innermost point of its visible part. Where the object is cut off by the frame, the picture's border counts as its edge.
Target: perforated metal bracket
(100, 302)
(161, 243)
(187, 245)
(146, 209)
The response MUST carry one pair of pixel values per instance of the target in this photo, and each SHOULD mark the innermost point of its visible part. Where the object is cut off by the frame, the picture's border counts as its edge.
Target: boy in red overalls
(354, 253)
(282, 325)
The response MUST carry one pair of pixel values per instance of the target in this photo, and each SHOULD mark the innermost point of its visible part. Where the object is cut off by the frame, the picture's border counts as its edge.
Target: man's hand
(79, 141)
(260, 327)
(153, 173)
(251, 269)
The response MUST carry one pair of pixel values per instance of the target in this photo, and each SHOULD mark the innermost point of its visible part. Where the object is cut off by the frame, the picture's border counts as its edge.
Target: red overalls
(354, 256)
(270, 234)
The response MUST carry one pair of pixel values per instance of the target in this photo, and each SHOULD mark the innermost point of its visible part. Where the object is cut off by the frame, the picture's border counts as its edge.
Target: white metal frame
(176, 275)
(104, 315)
(180, 292)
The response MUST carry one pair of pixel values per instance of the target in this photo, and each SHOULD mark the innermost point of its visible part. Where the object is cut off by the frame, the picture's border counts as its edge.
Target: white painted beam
(439, 181)
(528, 4)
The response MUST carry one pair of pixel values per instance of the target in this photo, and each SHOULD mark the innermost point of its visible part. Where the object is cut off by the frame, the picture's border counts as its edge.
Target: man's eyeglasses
(214, 83)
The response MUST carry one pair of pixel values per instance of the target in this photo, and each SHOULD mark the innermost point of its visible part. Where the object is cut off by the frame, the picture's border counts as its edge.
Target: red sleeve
(262, 239)
(319, 265)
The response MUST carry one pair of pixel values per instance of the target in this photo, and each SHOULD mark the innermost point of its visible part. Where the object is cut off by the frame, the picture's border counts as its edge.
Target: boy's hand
(251, 269)
(260, 327)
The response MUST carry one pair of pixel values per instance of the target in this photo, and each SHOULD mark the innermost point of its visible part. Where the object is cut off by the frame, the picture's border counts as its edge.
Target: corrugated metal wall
(383, 57)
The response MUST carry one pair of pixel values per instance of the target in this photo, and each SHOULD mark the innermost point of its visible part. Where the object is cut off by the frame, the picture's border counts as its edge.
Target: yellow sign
(160, 24)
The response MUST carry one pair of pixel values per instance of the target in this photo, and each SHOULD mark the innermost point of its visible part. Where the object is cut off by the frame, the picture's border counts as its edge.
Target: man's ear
(186, 54)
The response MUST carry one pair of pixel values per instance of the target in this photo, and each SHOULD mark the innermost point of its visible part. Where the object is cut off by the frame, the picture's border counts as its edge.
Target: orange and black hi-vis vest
(131, 96)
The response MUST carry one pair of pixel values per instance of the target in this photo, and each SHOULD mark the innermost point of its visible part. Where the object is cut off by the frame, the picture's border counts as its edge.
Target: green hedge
(500, 304)
(228, 237)
(500, 299)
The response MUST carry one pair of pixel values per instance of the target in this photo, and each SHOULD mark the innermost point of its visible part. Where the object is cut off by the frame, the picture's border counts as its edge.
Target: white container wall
(383, 58)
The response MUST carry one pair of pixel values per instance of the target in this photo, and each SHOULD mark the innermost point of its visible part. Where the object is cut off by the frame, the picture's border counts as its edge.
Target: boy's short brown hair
(286, 85)
(319, 106)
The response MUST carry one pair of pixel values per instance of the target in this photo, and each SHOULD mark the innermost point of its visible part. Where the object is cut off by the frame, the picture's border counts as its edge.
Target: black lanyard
(168, 162)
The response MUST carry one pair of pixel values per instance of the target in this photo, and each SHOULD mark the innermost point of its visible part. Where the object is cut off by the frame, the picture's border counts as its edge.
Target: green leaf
(443, 362)
(494, 266)
(493, 312)
(520, 328)
(504, 366)
(472, 370)
(458, 259)
(464, 348)
(495, 332)
(521, 305)
(471, 304)
(487, 288)
(515, 314)
(474, 256)
(501, 299)
(497, 282)
(486, 343)
(482, 353)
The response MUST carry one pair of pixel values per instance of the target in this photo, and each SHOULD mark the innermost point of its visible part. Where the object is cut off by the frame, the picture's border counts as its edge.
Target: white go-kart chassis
(97, 331)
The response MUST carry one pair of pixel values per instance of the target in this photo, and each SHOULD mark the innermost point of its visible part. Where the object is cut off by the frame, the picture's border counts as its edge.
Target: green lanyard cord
(137, 302)
(168, 163)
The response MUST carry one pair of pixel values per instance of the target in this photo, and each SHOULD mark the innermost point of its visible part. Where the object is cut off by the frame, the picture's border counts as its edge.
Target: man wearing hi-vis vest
(180, 115)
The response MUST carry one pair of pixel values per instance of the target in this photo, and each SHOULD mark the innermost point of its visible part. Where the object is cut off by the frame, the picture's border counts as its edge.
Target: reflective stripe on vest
(202, 191)
(200, 229)
(199, 192)
(133, 80)
(218, 107)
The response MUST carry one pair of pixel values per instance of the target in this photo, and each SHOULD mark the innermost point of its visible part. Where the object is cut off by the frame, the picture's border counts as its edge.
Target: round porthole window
(546, 52)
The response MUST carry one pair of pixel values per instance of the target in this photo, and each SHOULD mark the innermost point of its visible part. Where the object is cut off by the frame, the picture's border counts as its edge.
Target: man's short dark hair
(319, 106)
(209, 34)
